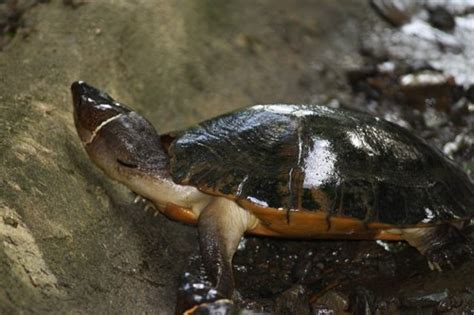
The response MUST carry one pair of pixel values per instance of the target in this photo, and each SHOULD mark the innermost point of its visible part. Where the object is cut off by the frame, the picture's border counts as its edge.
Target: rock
(470, 93)
(293, 301)
(387, 307)
(441, 18)
(429, 88)
(423, 298)
(332, 302)
(449, 304)
(396, 12)
(448, 52)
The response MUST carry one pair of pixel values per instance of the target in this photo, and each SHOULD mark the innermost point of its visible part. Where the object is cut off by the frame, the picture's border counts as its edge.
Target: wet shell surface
(308, 158)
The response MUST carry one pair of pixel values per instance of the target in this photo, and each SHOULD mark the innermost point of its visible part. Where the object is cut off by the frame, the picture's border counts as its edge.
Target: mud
(73, 242)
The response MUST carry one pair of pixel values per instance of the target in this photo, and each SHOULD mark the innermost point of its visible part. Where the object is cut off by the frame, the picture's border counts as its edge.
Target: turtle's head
(118, 140)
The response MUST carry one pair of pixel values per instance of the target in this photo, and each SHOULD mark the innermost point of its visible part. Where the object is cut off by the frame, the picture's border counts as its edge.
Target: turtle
(293, 171)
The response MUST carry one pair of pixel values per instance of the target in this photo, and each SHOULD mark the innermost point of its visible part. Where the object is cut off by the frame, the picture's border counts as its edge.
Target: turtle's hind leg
(444, 245)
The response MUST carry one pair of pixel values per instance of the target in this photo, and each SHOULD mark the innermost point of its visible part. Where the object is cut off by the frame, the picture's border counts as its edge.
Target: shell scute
(314, 158)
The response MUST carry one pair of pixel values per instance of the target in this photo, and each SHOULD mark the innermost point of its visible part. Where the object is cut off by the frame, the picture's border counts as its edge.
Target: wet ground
(417, 73)
(413, 67)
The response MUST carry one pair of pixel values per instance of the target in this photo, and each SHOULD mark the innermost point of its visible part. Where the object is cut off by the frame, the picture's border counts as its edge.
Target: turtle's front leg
(221, 224)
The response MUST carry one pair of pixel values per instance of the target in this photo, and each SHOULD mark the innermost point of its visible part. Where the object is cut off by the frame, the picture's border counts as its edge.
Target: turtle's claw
(195, 294)
(219, 307)
(434, 266)
(148, 204)
(137, 199)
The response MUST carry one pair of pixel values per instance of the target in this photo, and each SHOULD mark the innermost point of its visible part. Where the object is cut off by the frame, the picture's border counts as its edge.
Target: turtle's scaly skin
(314, 158)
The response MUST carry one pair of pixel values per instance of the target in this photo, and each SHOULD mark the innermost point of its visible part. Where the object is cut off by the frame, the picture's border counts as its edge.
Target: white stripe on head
(96, 130)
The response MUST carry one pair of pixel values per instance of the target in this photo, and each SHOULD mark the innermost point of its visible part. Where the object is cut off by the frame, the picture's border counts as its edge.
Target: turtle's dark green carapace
(303, 157)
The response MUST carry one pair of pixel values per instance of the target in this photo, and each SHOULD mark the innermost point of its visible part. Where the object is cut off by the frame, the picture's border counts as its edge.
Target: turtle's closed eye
(127, 163)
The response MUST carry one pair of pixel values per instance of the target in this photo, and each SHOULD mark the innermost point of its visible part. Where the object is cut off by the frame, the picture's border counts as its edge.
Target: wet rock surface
(72, 241)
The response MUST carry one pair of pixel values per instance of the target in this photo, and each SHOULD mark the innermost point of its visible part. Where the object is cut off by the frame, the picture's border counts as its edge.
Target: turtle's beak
(92, 109)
